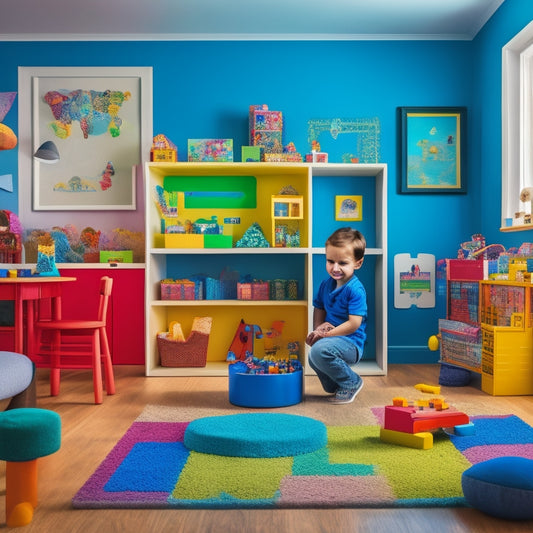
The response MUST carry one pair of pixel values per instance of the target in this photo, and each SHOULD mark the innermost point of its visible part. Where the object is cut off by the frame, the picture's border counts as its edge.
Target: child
(339, 317)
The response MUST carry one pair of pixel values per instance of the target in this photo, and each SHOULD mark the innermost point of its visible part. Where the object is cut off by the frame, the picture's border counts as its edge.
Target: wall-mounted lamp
(47, 153)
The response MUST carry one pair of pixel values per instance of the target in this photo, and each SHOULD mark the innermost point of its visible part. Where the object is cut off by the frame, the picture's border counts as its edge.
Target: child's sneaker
(347, 395)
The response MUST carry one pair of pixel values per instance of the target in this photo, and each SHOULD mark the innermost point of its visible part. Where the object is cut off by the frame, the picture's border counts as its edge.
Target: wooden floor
(90, 432)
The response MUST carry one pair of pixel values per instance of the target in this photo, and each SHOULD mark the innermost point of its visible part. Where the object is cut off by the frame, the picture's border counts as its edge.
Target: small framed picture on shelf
(348, 208)
(432, 149)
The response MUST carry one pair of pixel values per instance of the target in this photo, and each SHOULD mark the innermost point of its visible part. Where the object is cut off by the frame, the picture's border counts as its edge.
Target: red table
(31, 290)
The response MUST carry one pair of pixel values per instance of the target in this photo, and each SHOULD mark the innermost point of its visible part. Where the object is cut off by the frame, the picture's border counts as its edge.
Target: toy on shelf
(206, 226)
(166, 201)
(266, 128)
(289, 154)
(273, 337)
(163, 150)
(251, 154)
(182, 289)
(242, 345)
(253, 238)
(211, 150)
(410, 424)
(316, 156)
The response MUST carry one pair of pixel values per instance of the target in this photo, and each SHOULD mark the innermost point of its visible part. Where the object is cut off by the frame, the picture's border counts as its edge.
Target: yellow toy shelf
(241, 196)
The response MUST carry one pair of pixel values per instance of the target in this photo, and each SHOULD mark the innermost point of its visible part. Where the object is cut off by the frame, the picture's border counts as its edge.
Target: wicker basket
(189, 353)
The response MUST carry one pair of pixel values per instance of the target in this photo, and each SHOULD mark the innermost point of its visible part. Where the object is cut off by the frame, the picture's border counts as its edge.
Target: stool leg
(21, 492)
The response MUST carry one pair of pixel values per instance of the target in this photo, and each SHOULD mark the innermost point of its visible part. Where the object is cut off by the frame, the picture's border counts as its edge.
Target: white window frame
(517, 124)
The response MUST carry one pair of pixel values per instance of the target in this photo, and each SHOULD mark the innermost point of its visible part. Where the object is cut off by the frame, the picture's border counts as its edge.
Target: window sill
(522, 227)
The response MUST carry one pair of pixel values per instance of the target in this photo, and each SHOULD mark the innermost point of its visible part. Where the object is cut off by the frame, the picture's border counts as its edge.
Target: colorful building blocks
(410, 423)
(422, 441)
(418, 419)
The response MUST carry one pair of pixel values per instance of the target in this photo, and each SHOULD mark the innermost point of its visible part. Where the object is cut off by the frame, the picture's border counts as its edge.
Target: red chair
(79, 344)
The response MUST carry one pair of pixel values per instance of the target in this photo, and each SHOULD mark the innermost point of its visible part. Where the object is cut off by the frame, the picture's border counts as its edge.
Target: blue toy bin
(265, 390)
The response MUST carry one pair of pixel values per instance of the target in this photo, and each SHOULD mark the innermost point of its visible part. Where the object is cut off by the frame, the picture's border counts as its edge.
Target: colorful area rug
(150, 467)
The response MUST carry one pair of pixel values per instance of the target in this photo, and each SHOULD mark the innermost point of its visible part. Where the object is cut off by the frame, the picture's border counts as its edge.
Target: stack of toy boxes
(266, 128)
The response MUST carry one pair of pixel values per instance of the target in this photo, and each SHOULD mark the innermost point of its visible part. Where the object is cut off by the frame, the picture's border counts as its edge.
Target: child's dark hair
(347, 237)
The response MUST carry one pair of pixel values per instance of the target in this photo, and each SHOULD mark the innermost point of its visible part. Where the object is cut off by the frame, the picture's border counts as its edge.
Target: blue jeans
(330, 358)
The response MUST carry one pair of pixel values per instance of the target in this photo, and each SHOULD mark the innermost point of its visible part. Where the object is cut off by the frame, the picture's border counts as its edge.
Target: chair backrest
(106, 285)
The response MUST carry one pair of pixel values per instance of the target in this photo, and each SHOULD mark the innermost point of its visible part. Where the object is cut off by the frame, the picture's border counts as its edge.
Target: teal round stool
(25, 435)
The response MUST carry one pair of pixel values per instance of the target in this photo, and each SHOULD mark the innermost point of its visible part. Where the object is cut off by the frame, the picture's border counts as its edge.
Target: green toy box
(116, 256)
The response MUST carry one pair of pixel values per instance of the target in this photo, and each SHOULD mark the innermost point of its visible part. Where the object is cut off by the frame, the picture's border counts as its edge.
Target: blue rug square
(149, 467)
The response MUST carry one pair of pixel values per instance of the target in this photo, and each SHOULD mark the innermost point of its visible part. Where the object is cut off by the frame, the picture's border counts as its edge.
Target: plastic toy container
(265, 390)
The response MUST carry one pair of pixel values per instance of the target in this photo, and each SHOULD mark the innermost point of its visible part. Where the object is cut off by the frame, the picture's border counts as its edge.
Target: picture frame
(432, 149)
(348, 208)
(347, 140)
(100, 120)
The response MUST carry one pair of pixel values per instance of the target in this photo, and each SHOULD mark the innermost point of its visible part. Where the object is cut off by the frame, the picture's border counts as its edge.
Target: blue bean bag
(16, 374)
(501, 487)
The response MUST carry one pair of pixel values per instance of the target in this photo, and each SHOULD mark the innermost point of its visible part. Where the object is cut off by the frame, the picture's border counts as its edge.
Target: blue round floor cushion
(256, 435)
(501, 487)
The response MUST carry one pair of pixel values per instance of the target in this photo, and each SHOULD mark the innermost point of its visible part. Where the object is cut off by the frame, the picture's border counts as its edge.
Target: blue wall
(203, 89)
(510, 19)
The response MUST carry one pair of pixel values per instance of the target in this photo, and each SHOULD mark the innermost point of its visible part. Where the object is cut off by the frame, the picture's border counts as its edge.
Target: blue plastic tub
(265, 390)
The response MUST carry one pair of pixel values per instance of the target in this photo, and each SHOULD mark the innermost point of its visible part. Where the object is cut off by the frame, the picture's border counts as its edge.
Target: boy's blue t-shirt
(350, 299)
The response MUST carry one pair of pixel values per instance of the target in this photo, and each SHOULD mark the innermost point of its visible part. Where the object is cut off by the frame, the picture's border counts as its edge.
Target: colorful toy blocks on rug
(416, 420)
(422, 441)
(464, 430)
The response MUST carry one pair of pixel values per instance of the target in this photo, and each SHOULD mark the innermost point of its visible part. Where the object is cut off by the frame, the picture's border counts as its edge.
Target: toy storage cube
(507, 361)
(189, 240)
(218, 241)
(265, 390)
(253, 291)
(464, 269)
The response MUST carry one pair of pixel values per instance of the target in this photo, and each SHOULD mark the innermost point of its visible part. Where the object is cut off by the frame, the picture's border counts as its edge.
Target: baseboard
(412, 355)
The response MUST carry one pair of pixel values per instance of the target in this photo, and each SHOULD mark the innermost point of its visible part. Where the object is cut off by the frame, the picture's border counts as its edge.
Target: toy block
(464, 430)
(421, 441)
(399, 401)
(415, 420)
(432, 389)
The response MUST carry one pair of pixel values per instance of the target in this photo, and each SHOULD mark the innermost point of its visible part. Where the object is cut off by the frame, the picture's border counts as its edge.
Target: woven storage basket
(189, 353)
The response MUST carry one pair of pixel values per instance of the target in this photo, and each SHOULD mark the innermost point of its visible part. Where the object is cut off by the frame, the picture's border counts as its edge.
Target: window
(517, 123)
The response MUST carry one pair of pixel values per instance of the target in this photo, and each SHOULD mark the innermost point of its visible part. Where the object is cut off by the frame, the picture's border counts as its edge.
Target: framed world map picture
(94, 116)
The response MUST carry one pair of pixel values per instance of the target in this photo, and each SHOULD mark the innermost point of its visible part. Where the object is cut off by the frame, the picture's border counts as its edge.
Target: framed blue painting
(432, 149)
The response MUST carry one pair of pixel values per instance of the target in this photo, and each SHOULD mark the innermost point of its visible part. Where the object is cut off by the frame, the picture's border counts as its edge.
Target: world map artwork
(96, 112)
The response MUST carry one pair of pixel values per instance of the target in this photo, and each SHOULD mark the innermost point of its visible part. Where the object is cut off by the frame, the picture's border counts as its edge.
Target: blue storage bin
(265, 390)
